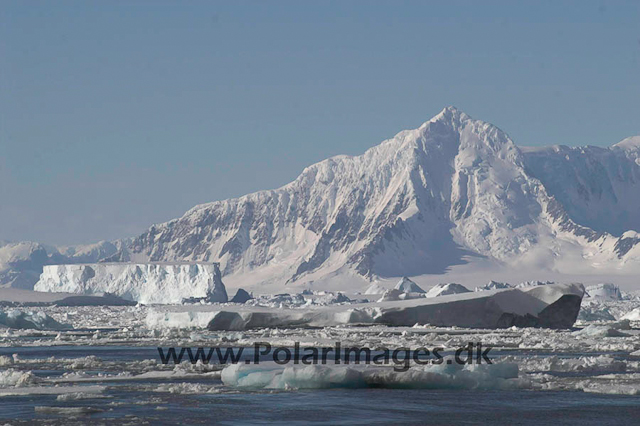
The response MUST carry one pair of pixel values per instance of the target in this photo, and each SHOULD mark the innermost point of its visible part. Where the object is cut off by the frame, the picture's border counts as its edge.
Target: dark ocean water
(135, 402)
(339, 406)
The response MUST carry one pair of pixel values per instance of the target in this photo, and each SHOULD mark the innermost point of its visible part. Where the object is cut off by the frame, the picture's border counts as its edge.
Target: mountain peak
(451, 109)
(449, 114)
(630, 143)
(630, 147)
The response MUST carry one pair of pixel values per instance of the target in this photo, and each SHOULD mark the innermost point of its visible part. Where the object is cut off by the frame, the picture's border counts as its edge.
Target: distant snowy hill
(451, 191)
(21, 263)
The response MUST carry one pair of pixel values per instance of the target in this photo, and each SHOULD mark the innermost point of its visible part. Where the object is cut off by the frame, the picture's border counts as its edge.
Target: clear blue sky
(116, 115)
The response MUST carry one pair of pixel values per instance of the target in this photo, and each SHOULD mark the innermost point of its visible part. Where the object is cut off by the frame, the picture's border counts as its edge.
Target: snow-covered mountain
(453, 190)
(21, 263)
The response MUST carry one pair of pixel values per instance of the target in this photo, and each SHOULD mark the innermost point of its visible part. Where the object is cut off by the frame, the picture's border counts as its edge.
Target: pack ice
(550, 306)
(140, 282)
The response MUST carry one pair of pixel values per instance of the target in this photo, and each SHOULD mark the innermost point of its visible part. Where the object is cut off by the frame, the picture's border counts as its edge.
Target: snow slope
(21, 263)
(598, 187)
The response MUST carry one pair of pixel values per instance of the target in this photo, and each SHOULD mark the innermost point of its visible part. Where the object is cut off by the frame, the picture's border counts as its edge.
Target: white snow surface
(141, 282)
(634, 315)
(375, 289)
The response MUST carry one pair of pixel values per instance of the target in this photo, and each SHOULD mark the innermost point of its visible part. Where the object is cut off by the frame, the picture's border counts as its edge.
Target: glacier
(140, 282)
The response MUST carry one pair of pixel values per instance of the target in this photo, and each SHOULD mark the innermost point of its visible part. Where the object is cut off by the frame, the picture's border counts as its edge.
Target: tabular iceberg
(140, 282)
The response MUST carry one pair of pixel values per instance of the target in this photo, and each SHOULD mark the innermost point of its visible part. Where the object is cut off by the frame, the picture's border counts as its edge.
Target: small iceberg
(29, 320)
(405, 285)
(447, 289)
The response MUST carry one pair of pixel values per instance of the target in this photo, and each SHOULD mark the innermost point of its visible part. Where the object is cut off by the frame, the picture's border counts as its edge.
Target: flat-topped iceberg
(140, 282)
(551, 306)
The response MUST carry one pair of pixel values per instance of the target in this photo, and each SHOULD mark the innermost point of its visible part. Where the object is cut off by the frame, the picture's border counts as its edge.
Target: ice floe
(497, 376)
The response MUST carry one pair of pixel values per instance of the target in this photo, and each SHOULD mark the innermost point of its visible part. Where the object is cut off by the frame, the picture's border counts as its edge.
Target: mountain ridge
(421, 202)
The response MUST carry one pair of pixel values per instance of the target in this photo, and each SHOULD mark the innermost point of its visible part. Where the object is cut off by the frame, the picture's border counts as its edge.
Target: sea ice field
(100, 364)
